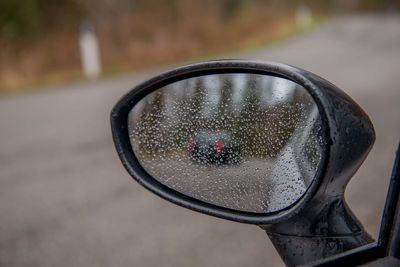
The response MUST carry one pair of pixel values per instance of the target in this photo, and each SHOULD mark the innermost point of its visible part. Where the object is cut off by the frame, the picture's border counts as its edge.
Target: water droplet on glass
(247, 142)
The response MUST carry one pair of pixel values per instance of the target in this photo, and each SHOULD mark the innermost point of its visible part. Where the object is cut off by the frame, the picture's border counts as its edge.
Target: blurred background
(40, 40)
(65, 199)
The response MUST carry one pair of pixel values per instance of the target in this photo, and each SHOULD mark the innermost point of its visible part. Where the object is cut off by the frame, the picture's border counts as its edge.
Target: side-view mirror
(254, 142)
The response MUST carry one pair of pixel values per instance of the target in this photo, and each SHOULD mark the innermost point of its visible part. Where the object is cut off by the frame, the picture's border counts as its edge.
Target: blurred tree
(31, 17)
(230, 8)
(19, 17)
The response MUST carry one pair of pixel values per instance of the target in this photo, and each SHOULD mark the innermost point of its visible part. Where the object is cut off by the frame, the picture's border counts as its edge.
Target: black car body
(214, 148)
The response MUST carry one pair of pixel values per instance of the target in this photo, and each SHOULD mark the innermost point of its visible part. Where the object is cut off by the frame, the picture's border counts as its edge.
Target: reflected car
(215, 148)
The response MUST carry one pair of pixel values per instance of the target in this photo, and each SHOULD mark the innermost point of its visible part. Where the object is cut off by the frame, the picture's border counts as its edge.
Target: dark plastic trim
(389, 234)
(388, 244)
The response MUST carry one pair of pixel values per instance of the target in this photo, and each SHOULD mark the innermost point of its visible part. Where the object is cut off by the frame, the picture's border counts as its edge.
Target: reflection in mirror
(247, 142)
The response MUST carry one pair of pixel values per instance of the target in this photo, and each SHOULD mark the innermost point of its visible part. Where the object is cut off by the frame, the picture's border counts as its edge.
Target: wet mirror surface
(247, 142)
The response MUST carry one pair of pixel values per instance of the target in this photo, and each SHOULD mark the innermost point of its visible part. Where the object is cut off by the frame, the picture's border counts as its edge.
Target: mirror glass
(247, 142)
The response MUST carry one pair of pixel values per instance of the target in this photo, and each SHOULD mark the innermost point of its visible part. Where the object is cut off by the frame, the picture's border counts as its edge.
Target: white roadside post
(303, 17)
(89, 51)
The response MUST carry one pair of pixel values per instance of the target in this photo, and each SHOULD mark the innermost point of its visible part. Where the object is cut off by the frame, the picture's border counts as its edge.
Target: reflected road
(244, 186)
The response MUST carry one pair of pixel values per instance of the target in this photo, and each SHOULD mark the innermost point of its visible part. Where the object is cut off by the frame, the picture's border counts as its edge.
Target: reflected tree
(148, 129)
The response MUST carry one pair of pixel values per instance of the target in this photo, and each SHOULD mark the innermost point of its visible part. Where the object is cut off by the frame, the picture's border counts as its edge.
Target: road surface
(65, 199)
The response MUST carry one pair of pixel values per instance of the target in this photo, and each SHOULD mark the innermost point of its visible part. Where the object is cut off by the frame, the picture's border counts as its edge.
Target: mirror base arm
(314, 235)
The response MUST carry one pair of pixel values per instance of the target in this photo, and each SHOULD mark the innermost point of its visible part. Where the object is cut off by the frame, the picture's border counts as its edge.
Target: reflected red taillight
(219, 145)
(191, 143)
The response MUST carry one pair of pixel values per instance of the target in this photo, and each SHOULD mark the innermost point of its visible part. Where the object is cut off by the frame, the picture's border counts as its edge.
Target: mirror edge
(120, 134)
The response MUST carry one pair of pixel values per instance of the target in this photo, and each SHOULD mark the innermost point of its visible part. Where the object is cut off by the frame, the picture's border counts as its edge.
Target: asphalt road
(65, 199)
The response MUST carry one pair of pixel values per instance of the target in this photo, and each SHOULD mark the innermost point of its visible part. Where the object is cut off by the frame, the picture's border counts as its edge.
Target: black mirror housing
(348, 130)
(321, 213)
